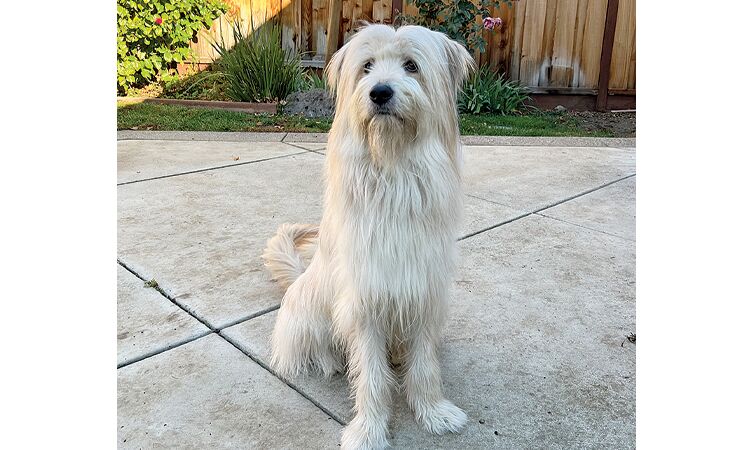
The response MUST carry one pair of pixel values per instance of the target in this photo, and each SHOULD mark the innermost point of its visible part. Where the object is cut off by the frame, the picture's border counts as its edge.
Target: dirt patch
(312, 103)
(620, 124)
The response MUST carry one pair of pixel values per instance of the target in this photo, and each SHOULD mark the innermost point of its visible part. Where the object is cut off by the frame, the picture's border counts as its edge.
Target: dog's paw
(442, 417)
(359, 435)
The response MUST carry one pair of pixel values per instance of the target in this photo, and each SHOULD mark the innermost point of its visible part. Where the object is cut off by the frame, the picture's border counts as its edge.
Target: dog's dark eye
(368, 66)
(409, 66)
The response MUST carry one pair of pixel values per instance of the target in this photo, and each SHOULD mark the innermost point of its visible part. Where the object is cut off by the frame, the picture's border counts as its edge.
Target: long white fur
(375, 290)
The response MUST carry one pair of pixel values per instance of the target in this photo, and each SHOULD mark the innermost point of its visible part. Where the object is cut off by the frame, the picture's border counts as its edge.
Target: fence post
(605, 61)
(397, 6)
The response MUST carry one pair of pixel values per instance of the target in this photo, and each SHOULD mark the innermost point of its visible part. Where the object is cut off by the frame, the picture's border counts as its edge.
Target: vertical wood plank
(631, 73)
(319, 25)
(533, 42)
(506, 41)
(519, 15)
(550, 25)
(580, 28)
(334, 25)
(274, 10)
(289, 27)
(562, 62)
(591, 49)
(381, 11)
(347, 12)
(367, 11)
(306, 34)
(259, 13)
(622, 49)
(357, 9)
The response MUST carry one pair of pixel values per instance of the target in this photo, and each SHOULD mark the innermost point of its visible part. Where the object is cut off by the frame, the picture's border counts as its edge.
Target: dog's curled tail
(288, 250)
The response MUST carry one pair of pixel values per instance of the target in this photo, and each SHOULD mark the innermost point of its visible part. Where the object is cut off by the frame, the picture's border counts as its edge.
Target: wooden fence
(552, 46)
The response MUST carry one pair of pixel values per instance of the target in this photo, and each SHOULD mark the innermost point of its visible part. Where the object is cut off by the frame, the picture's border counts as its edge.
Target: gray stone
(207, 394)
(311, 103)
(147, 322)
(560, 109)
(138, 160)
(610, 210)
(535, 344)
(529, 178)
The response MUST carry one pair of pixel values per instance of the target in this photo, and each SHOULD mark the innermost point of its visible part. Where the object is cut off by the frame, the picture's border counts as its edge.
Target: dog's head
(398, 82)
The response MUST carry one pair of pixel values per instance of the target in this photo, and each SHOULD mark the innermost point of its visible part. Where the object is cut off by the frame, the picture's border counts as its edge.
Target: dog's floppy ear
(333, 69)
(460, 62)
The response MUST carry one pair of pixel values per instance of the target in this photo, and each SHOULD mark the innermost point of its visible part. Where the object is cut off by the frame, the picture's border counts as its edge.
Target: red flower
(157, 21)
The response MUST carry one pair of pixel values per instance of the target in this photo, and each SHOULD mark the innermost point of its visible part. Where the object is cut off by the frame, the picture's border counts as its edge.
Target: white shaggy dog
(381, 262)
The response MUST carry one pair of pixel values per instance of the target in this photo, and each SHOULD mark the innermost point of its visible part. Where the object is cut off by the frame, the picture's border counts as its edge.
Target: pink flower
(157, 21)
(492, 22)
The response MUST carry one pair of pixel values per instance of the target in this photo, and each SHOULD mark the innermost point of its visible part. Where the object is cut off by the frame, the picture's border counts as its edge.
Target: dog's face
(398, 81)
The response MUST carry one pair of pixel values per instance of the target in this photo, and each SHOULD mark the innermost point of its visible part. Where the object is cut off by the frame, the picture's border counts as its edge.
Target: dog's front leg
(424, 391)
(372, 380)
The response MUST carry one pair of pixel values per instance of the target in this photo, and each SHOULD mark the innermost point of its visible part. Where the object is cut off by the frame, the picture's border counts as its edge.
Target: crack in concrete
(218, 332)
(584, 227)
(161, 350)
(303, 148)
(169, 297)
(212, 168)
(537, 211)
(299, 390)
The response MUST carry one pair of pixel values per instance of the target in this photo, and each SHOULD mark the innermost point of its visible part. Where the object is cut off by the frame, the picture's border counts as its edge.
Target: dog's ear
(460, 62)
(333, 69)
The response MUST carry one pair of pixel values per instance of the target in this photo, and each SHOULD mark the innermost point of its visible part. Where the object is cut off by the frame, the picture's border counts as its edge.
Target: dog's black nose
(381, 93)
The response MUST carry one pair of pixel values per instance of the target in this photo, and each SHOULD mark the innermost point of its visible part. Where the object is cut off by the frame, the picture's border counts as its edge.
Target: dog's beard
(388, 135)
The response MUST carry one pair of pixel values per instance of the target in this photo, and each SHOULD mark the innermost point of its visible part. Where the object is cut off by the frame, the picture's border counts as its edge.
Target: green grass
(143, 116)
(531, 124)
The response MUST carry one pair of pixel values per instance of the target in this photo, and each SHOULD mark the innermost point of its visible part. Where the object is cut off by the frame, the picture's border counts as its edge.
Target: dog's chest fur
(397, 222)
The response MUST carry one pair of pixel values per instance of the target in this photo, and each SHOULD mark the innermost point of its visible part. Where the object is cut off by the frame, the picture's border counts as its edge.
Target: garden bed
(150, 116)
(246, 107)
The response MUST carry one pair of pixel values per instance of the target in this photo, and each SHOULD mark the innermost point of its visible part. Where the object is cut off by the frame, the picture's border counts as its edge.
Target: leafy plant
(204, 85)
(154, 35)
(257, 68)
(457, 19)
(488, 92)
(312, 80)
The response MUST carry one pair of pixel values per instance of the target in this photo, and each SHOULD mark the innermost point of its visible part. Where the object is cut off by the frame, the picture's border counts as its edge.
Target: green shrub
(154, 35)
(456, 18)
(312, 80)
(208, 84)
(257, 68)
(488, 92)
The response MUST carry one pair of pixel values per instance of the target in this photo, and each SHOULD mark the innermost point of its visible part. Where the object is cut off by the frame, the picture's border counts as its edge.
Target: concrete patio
(535, 349)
